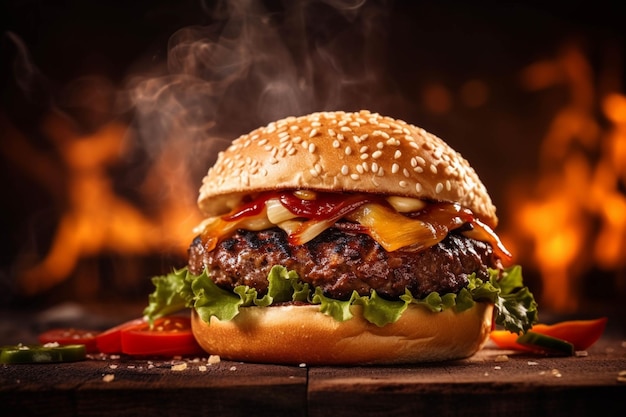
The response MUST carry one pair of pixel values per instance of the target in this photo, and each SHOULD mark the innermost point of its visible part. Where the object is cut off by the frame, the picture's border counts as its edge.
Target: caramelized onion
(484, 233)
(303, 215)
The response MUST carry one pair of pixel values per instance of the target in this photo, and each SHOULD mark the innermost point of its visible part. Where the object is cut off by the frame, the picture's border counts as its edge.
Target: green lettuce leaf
(381, 311)
(515, 306)
(172, 293)
(338, 309)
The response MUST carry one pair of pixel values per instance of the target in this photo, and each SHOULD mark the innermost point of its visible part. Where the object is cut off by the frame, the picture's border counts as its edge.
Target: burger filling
(337, 250)
(341, 262)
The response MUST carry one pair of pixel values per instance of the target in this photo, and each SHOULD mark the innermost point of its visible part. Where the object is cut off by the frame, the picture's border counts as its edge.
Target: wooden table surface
(491, 383)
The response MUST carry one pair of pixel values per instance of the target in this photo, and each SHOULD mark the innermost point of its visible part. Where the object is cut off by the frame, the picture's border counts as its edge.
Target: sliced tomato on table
(582, 334)
(110, 341)
(71, 336)
(168, 336)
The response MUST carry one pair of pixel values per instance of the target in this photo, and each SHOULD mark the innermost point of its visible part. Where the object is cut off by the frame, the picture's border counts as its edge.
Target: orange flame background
(565, 220)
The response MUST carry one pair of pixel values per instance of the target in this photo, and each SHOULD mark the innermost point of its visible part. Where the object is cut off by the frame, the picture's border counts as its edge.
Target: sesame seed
(418, 187)
(397, 155)
(363, 149)
(345, 170)
(364, 156)
(348, 150)
(340, 136)
(433, 169)
(297, 140)
(316, 124)
(262, 142)
(374, 167)
(313, 172)
(377, 154)
(318, 168)
(331, 132)
(380, 145)
(355, 177)
(403, 184)
(359, 169)
(418, 169)
(395, 168)
(406, 173)
(420, 160)
(439, 188)
(336, 144)
(380, 172)
(312, 147)
(345, 129)
(366, 166)
(312, 133)
(448, 185)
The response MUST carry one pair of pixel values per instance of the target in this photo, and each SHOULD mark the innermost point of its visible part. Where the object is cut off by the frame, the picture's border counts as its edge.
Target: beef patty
(341, 262)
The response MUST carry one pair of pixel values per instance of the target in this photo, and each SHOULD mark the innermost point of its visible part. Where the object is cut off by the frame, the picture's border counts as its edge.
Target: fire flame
(95, 219)
(575, 215)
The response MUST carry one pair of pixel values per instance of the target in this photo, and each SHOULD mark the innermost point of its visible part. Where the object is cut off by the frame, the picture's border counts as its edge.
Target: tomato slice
(71, 336)
(168, 336)
(582, 334)
(110, 341)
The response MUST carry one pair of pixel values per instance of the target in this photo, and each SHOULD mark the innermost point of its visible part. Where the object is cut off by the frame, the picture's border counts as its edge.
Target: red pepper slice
(580, 333)
(168, 336)
(71, 336)
(110, 341)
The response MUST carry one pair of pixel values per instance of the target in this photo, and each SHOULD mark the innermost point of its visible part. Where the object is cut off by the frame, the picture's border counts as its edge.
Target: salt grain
(179, 367)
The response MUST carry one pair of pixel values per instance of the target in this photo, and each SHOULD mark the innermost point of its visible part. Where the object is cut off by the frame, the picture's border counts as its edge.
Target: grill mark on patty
(341, 262)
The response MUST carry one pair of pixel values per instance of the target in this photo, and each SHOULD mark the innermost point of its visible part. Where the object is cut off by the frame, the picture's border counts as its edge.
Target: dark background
(391, 54)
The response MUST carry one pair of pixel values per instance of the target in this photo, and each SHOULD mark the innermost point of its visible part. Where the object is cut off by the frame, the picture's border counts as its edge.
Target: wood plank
(492, 383)
(141, 387)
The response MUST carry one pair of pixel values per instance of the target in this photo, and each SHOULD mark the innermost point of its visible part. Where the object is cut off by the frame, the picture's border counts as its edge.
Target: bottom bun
(301, 334)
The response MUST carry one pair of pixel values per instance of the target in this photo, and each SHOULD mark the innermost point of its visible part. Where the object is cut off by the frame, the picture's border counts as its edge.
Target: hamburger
(344, 238)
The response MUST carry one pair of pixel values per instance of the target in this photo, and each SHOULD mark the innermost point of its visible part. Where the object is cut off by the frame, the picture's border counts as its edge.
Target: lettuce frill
(515, 306)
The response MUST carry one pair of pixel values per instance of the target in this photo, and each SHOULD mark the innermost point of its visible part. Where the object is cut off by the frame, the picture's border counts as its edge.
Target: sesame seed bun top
(340, 151)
